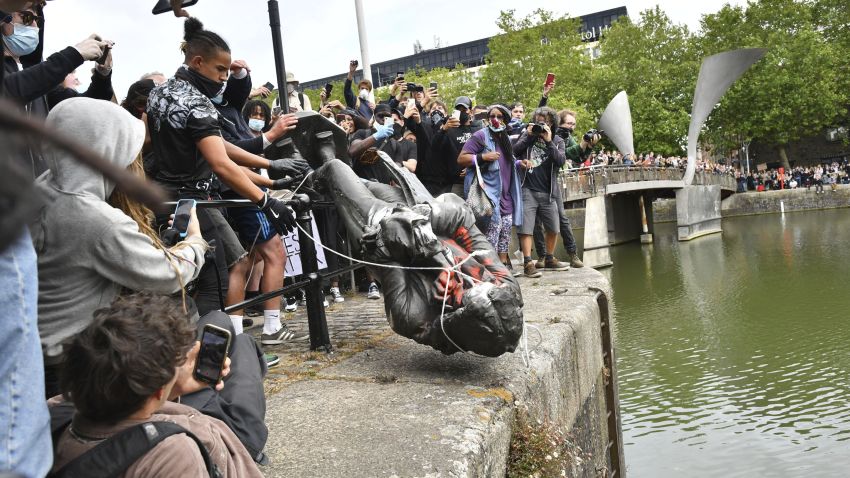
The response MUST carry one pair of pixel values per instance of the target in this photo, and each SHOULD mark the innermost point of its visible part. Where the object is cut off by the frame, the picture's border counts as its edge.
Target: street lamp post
(280, 67)
(364, 45)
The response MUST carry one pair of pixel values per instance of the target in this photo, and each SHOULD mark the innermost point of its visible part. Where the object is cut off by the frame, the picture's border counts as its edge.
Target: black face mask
(564, 132)
(464, 118)
(206, 86)
(398, 130)
(437, 117)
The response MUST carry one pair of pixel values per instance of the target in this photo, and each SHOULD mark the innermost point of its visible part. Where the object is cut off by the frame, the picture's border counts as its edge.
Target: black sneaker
(282, 336)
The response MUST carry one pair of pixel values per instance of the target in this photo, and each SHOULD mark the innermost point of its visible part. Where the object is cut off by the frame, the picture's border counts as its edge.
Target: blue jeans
(25, 443)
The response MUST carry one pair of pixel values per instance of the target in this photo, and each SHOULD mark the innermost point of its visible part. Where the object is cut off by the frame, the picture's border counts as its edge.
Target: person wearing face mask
(38, 85)
(575, 153)
(186, 137)
(439, 170)
(490, 148)
(22, 38)
(253, 229)
(364, 102)
(298, 101)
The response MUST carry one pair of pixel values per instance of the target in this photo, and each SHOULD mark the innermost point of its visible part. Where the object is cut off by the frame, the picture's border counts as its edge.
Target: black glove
(284, 183)
(279, 214)
(289, 167)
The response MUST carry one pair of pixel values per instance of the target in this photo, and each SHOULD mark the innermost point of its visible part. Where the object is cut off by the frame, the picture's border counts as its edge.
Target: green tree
(656, 63)
(796, 90)
(526, 50)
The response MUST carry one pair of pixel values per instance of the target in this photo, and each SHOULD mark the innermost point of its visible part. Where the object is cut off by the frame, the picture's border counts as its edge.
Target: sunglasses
(28, 17)
(496, 117)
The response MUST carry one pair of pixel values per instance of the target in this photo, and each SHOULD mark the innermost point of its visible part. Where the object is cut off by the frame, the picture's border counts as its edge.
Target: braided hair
(200, 42)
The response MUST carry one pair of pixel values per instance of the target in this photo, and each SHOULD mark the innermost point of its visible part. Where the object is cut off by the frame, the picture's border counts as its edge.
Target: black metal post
(319, 338)
(280, 67)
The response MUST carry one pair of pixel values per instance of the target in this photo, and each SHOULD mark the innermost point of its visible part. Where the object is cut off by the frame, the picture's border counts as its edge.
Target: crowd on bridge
(104, 298)
(603, 158)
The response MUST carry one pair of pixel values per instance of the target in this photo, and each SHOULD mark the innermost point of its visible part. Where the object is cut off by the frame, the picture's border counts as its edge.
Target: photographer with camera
(541, 154)
(364, 102)
(575, 153)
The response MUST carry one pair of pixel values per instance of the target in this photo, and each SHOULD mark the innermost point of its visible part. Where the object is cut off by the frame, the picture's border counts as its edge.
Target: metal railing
(583, 183)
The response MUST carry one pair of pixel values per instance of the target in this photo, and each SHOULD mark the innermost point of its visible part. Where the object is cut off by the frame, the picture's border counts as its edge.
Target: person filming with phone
(164, 376)
(364, 102)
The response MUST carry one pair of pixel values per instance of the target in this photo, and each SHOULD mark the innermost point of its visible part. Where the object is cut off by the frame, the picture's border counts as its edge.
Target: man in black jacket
(438, 169)
(38, 85)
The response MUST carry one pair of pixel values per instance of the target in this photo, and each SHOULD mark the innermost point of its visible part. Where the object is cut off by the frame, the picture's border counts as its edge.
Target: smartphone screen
(433, 85)
(181, 216)
(550, 78)
(456, 114)
(214, 344)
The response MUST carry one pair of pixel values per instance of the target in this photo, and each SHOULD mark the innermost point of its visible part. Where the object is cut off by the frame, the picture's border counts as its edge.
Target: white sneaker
(291, 305)
(373, 293)
(337, 295)
(326, 303)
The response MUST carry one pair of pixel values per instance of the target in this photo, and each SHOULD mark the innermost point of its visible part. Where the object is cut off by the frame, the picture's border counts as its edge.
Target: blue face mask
(23, 41)
(256, 124)
(217, 99)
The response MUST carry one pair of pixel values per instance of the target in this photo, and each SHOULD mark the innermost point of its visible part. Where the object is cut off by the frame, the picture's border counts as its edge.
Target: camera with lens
(588, 137)
(411, 87)
(537, 128)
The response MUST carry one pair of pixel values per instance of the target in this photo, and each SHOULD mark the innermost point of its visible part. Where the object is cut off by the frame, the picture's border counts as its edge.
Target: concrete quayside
(388, 407)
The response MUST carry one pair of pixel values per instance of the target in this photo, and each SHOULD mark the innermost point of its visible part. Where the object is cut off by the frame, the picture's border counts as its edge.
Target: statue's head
(490, 321)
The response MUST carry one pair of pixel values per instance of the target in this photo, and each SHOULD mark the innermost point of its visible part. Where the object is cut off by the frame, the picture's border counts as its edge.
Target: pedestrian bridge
(618, 203)
(583, 183)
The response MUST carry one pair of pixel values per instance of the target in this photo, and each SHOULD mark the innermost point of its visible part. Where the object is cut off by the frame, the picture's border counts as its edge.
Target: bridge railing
(581, 183)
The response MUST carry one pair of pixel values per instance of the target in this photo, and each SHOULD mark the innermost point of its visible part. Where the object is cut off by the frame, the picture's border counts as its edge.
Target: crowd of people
(817, 176)
(104, 302)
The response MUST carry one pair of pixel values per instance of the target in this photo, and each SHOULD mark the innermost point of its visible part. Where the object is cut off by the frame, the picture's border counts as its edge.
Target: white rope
(449, 271)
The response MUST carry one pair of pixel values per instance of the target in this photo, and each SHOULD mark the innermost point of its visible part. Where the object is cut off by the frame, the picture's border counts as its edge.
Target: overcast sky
(319, 36)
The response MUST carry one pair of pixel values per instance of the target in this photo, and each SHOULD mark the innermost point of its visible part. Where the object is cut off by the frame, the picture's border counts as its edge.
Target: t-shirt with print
(478, 144)
(539, 177)
(178, 117)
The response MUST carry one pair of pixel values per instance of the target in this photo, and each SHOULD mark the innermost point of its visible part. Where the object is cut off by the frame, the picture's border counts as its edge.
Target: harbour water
(733, 349)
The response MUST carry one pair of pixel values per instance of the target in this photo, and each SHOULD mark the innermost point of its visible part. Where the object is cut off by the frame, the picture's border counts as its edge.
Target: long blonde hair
(144, 218)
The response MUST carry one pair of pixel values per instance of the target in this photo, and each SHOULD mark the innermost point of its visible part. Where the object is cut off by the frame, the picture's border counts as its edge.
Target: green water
(732, 348)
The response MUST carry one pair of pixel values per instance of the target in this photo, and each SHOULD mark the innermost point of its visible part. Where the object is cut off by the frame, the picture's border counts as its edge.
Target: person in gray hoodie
(88, 250)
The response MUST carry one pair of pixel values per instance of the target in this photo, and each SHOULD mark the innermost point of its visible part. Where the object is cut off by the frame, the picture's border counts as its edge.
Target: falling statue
(444, 285)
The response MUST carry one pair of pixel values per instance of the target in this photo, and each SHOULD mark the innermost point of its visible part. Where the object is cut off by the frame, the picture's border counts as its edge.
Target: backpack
(114, 455)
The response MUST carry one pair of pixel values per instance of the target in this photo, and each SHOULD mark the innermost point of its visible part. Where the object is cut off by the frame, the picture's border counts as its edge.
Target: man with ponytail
(186, 138)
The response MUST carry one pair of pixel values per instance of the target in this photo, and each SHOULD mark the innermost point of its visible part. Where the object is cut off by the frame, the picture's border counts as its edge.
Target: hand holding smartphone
(550, 78)
(269, 86)
(182, 216)
(411, 103)
(215, 343)
(456, 114)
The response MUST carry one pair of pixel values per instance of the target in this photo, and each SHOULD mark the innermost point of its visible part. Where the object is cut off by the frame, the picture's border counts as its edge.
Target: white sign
(292, 246)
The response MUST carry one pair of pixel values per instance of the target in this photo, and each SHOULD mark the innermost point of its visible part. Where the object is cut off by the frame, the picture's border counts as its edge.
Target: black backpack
(113, 456)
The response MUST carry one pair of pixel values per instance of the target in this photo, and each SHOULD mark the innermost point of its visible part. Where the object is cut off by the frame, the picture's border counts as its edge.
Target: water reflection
(732, 356)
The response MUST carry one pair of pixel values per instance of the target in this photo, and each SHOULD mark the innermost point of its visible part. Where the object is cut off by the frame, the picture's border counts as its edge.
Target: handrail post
(316, 319)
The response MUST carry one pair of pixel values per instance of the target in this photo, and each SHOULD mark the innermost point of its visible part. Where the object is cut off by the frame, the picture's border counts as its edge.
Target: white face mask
(290, 88)
(256, 124)
(364, 94)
